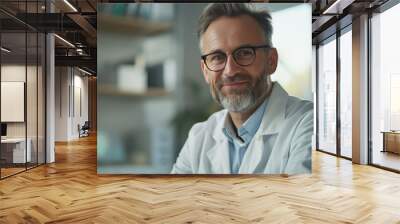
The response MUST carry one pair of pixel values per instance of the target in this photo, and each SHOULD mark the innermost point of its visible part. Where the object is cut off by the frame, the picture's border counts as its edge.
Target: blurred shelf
(111, 90)
(131, 25)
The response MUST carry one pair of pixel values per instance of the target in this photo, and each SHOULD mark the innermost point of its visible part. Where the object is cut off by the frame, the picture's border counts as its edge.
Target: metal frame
(45, 91)
(317, 88)
(37, 93)
(369, 98)
(0, 92)
(338, 98)
(338, 153)
(44, 75)
(316, 97)
(26, 89)
(340, 33)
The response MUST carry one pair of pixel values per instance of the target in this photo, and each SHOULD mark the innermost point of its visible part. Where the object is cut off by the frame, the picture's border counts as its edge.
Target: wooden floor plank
(70, 191)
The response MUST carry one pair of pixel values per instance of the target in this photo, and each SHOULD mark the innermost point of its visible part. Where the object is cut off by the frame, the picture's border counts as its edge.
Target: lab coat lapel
(258, 151)
(275, 112)
(218, 154)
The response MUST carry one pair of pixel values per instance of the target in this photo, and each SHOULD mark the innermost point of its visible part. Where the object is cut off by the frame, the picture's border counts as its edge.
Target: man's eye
(244, 53)
(216, 58)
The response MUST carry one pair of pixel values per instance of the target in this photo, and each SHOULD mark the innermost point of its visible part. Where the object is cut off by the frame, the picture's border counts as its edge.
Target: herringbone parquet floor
(70, 191)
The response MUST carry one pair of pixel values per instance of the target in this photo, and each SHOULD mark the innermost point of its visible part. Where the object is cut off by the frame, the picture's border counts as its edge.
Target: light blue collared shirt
(238, 146)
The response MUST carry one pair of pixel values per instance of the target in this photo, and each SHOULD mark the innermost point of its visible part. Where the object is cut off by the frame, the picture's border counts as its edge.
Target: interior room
(94, 89)
(22, 100)
(384, 91)
(27, 59)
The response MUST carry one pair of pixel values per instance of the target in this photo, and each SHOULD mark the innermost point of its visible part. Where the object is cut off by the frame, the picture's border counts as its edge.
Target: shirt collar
(249, 127)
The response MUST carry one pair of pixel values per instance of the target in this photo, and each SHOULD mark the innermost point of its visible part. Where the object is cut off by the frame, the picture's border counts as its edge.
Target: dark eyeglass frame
(253, 48)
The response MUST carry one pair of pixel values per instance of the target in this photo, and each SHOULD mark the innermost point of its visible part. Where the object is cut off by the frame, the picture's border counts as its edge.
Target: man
(262, 129)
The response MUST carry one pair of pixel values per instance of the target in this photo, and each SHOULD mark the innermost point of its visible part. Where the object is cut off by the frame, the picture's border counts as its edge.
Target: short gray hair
(216, 10)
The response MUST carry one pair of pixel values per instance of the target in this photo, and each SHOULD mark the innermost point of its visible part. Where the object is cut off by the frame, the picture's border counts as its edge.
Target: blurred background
(150, 86)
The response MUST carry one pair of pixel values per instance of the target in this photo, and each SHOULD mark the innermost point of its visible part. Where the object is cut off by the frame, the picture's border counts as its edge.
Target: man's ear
(272, 61)
(204, 70)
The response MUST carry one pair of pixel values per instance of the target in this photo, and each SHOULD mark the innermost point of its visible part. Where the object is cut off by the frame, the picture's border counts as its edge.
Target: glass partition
(346, 93)
(13, 105)
(22, 87)
(327, 96)
(385, 89)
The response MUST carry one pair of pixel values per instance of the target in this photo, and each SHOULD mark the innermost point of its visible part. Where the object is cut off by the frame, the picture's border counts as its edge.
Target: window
(385, 89)
(327, 96)
(346, 93)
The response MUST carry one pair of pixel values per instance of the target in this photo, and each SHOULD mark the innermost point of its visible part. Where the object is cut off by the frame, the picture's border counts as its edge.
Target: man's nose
(231, 67)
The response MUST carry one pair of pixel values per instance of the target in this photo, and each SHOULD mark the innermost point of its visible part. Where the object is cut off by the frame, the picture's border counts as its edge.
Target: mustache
(228, 80)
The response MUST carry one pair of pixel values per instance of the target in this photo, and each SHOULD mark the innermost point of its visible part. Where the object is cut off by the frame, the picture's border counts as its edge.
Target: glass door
(346, 93)
(14, 154)
(326, 60)
(22, 76)
(385, 89)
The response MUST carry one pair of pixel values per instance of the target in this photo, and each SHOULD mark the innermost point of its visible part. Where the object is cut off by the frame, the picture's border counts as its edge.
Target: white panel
(77, 106)
(12, 101)
(50, 99)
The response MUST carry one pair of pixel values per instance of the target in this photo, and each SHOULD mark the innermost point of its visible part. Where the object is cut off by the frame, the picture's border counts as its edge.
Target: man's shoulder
(290, 106)
(209, 124)
(296, 106)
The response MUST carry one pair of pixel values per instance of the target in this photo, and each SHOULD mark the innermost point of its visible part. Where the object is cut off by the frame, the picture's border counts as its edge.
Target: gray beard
(241, 101)
(238, 102)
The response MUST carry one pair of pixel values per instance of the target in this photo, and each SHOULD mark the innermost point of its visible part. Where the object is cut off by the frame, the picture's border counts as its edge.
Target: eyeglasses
(243, 56)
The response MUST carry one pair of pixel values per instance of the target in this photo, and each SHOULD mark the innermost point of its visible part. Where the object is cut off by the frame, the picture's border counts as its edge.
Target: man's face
(237, 88)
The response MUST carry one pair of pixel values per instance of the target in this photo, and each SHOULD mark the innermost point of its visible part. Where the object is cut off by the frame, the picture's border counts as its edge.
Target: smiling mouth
(235, 84)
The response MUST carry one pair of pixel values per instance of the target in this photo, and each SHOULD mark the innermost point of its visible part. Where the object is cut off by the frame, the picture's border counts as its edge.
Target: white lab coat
(282, 144)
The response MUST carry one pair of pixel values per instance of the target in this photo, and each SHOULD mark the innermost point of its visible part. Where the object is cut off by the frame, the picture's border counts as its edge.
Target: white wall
(80, 83)
(11, 73)
(33, 126)
(17, 73)
(61, 103)
(68, 83)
